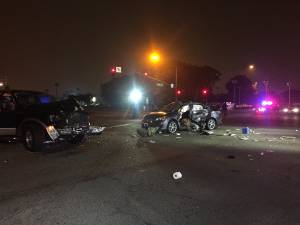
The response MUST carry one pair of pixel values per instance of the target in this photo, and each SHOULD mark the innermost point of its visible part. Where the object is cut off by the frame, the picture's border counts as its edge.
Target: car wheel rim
(28, 139)
(172, 127)
(211, 124)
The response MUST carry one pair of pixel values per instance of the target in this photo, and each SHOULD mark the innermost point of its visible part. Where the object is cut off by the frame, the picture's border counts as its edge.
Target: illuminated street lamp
(135, 96)
(251, 67)
(1, 84)
(154, 57)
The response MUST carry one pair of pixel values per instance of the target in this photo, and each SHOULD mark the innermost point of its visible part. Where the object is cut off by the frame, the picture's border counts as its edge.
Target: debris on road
(246, 130)
(250, 157)
(228, 133)
(152, 131)
(177, 175)
(208, 132)
(243, 138)
(142, 132)
(134, 135)
(287, 137)
(152, 141)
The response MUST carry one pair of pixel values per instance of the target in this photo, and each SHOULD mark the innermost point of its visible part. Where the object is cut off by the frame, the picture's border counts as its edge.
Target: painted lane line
(121, 125)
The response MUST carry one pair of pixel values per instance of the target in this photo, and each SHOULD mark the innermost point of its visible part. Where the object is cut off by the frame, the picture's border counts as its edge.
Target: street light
(135, 96)
(154, 57)
(251, 67)
(289, 86)
(1, 84)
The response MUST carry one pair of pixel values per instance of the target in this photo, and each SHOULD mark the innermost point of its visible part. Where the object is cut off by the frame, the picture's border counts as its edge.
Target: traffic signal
(204, 92)
(178, 92)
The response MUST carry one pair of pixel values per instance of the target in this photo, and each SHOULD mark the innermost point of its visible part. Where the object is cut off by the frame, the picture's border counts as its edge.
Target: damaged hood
(154, 115)
(158, 114)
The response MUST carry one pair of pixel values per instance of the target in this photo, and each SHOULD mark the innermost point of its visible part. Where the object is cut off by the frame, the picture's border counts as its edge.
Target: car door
(7, 114)
(199, 113)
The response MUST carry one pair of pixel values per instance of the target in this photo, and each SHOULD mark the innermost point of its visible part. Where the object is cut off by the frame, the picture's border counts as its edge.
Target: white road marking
(121, 125)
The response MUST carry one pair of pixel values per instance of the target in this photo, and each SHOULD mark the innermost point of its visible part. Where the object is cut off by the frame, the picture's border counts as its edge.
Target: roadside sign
(118, 69)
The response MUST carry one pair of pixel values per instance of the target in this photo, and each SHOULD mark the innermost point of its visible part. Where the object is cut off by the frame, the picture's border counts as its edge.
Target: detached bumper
(91, 130)
(162, 125)
(55, 134)
(147, 124)
(94, 130)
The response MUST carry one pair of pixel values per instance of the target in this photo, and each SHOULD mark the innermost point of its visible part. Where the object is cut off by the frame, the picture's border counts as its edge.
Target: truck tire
(33, 136)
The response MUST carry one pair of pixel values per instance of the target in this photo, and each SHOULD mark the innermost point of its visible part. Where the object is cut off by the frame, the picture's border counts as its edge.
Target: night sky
(75, 43)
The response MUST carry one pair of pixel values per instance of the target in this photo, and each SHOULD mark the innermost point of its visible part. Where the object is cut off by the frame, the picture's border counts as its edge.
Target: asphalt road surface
(121, 178)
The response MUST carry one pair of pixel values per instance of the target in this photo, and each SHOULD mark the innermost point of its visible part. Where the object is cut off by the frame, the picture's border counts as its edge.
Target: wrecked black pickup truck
(37, 119)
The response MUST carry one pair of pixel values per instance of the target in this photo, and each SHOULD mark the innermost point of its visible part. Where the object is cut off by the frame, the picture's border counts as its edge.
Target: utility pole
(289, 86)
(56, 89)
(239, 95)
(176, 82)
(266, 83)
(234, 82)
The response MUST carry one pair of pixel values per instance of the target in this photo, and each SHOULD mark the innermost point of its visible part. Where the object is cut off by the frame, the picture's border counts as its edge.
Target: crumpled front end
(72, 125)
(154, 121)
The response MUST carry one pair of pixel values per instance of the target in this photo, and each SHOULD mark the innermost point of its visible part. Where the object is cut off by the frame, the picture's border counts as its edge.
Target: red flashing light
(178, 92)
(204, 92)
(113, 70)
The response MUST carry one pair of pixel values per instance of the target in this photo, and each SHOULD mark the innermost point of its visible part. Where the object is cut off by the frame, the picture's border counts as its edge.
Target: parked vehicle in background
(173, 117)
(37, 119)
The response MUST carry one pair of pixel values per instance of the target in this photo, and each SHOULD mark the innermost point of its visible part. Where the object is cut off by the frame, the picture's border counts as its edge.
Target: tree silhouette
(240, 89)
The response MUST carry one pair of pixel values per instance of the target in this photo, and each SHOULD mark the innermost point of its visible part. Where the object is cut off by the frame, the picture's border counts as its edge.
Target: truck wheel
(33, 137)
(78, 139)
(172, 127)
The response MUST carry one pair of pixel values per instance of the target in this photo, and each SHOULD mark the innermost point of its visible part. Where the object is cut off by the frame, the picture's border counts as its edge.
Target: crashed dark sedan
(37, 119)
(170, 117)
